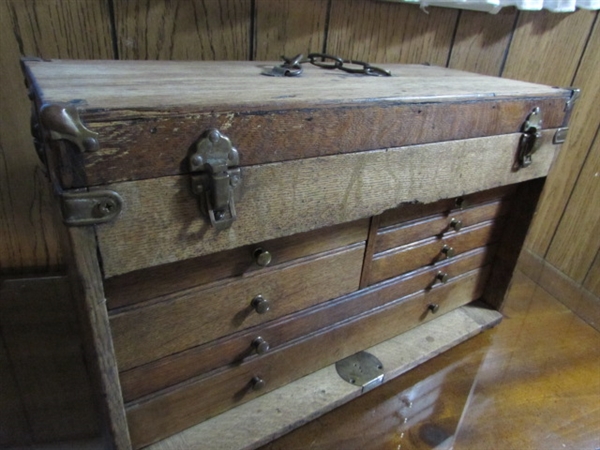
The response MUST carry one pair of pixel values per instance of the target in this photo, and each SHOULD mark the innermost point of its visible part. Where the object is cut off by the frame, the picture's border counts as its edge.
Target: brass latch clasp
(215, 177)
(530, 139)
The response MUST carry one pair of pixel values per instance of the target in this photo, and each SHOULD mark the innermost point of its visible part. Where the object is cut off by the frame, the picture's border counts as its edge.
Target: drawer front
(182, 406)
(161, 222)
(403, 259)
(180, 321)
(237, 348)
(150, 283)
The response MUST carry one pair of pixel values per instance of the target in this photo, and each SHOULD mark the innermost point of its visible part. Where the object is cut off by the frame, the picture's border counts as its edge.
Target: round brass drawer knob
(442, 276)
(448, 251)
(260, 304)
(456, 224)
(433, 307)
(262, 257)
(260, 346)
(257, 383)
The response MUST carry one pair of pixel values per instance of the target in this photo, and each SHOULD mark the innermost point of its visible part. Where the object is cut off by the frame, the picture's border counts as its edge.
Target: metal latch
(361, 369)
(531, 138)
(215, 177)
(90, 208)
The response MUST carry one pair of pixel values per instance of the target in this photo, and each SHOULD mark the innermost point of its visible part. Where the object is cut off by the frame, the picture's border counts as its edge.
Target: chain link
(292, 67)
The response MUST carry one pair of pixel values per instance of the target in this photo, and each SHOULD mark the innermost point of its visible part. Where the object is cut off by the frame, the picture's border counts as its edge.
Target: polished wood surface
(517, 386)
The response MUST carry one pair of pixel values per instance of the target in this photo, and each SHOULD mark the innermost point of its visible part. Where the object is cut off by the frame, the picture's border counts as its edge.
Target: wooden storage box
(233, 235)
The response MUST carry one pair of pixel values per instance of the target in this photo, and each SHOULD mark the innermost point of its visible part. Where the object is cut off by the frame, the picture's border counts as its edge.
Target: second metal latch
(531, 138)
(215, 177)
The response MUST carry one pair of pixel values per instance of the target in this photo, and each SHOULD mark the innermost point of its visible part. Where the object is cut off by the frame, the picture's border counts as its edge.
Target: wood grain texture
(149, 423)
(575, 256)
(324, 390)
(379, 32)
(147, 284)
(183, 30)
(348, 187)
(584, 122)
(481, 41)
(288, 27)
(233, 350)
(592, 280)
(196, 316)
(43, 341)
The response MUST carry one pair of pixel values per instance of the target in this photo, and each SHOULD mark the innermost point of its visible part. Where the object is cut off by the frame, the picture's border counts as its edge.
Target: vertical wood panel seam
(508, 45)
(587, 41)
(587, 155)
(113, 28)
(253, 31)
(327, 21)
(453, 38)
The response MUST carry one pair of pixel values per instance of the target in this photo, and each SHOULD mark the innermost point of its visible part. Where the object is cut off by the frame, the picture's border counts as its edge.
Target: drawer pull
(456, 224)
(257, 383)
(260, 346)
(260, 304)
(262, 257)
(448, 251)
(442, 276)
(433, 307)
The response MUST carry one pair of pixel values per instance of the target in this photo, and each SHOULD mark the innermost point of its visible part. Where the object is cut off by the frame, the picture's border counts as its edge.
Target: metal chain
(292, 67)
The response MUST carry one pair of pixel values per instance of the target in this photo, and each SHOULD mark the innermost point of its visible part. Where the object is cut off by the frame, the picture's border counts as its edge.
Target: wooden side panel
(592, 280)
(288, 27)
(182, 29)
(379, 32)
(575, 256)
(582, 129)
(43, 341)
(286, 198)
(481, 41)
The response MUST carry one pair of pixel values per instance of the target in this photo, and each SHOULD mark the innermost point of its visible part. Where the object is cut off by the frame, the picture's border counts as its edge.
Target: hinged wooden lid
(149, 114)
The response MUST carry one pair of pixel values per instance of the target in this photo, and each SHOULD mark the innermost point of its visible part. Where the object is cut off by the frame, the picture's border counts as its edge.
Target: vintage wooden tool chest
(233, 236)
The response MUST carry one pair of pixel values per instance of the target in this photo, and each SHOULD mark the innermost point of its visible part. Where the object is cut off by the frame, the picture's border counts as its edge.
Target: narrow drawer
(237, 348)
(403, 259)
(438, 225)
(187, 319)
(177, 408)
(409, 212)
(146, 284)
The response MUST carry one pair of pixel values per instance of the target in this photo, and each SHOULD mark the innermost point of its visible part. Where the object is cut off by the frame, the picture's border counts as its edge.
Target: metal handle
(456, 224)
(260, 304)
(442, 276)
(262, 257)
(260, 346)
(433, 307)
(448, 251)
(257, 383)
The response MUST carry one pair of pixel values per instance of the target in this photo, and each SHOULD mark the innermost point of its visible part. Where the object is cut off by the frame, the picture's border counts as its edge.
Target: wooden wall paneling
(39, 326)
(592, 279)
(49, 29)
(583, 124)
(381, 32)
(577, 237)
(183, 29)
(482, 40)
(289, 27)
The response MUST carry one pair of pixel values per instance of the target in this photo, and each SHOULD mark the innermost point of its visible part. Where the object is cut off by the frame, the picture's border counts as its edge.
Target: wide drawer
(176, 322)
(234, 349)
(175, 409)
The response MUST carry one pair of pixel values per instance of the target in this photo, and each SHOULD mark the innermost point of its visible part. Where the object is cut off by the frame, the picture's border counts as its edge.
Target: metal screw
(219, 215)
(433, 307)
(214, 136)
(105, 208)
(257, 383)
(197, 161)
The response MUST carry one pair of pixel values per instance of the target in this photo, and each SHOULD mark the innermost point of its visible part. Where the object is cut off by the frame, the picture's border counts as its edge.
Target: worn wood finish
(221, 391)
(288, 28)
(325, 390)
(357, 28)
(183, 30)
(151, 283)
(583, 126)
(481, 41)
(308, 202)
(235, 349)
(575, 258)
(42, 339)
(408, 212)
(192, 317)
(438, 225)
